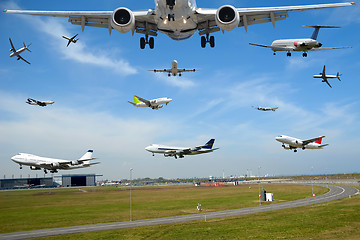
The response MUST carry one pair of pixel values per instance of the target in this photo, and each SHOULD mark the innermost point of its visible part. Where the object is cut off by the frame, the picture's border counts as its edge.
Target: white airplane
(181, 151)
(52, 164)
(273, 108)
(325, 77)
(178, 19)
(16, 53)
(40, 103)
(154, 103)
(289, 143)
(174, 70)
(71, 40)
(299, 45)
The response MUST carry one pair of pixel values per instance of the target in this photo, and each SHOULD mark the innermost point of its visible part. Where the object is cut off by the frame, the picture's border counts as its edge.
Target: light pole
(312, 181)
(131, 193)
(259, 186)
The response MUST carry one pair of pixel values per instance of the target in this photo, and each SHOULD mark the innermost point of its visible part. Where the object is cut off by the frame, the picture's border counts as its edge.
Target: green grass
(332, 220)
(38, 209)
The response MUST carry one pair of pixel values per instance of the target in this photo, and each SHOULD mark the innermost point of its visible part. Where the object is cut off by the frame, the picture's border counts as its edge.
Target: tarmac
(334, 193)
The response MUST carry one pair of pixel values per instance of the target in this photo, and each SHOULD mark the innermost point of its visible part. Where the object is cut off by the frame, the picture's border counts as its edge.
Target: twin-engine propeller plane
(71, 40)
(174, 70)
(52, 164)
(181, 151)
(16, 53)
(290, 143)
(154, 103)
(40, 103)
(325, 77)
(178, 19)
(299, 45)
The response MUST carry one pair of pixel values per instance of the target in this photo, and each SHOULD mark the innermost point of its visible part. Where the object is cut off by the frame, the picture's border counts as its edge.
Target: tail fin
(316, 30)
(136, 100)
(87, 156)
(209, 144)
(27, 47)
(318, 141)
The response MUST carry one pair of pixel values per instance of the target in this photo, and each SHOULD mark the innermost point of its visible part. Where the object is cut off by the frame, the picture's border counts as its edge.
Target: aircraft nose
(169, 99)
(277, 139)
(148, 148)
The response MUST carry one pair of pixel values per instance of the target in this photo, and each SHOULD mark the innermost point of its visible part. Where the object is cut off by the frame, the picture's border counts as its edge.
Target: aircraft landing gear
(304, 54)
(171, 4)
(206, 39)
(274, 53)
(295, 150)
(169, 74)
(179, 74)
(20, 166)
(146, 40)
(153, 155)
(288, 54)
(45, 171)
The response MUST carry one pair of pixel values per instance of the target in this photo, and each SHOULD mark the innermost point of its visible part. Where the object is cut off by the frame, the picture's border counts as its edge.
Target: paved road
(336, 192)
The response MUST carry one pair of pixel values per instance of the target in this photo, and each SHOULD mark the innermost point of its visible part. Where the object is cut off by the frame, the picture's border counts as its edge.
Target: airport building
(75, 180)
(19, 183)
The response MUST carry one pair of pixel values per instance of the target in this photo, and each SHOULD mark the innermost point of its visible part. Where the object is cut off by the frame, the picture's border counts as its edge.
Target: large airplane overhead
(178, 19)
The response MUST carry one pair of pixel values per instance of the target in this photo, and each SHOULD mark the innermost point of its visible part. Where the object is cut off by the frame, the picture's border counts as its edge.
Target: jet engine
(55, 164)
(286, 147)
(123, 20)
(227, 18)
(75, 162)
(34, 168)
(167, 155)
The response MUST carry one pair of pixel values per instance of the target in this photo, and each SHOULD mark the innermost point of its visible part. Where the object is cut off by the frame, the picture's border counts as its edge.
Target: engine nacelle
(55, 165)
(75, 162)
(299, 44)
(123, 20)
(227, 18)
(167, 155)
(34, 168)
(160, 106)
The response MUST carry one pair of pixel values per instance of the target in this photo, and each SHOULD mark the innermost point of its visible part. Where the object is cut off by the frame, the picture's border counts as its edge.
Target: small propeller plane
(299, 45)
(290, 143)
(325, 77)
(16, 53)
(40, 103)
(273, 108)
(71, 40)
(174, 70)
(154, 103)
(181, 151)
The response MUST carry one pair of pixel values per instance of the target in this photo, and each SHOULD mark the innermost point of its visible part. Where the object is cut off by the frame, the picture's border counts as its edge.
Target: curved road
(336, 192)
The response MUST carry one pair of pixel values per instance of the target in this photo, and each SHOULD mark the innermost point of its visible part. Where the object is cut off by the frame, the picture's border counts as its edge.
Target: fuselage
(155, 102)
(304, 44)
(184, 24)
(18, 52)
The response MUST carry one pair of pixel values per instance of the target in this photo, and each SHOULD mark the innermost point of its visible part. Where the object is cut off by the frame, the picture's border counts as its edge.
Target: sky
(92, 80)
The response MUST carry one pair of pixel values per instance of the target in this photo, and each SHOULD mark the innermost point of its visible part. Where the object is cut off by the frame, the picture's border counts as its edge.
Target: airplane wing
(144, 19)
(187, 70)
(273, 47)
(68, 43)
(250, 16)
(306, 142)
(328, 83)
(147, 102)
(12, 46)
(74, 37)
(327, 48)
(161, 70)
(23, 59)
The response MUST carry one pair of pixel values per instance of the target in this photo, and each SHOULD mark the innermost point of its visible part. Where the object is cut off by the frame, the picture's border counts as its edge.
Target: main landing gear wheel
(206, 39)
(304, 54)
(295, 150)
(146, 40)
(288, 54)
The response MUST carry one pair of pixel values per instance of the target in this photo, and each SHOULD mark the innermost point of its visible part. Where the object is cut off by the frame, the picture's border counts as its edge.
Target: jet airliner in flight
(181, 151)
(174, 70)
(16, 53)
(290, 143)
(40, 103)
(325, 77)
(52, 164)
(178, 19)
(154, 103)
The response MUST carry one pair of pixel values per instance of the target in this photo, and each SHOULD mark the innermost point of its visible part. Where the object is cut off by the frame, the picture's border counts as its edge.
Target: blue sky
(92, 80)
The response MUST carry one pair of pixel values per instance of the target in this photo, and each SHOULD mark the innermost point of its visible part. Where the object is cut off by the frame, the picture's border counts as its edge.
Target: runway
(335, 193)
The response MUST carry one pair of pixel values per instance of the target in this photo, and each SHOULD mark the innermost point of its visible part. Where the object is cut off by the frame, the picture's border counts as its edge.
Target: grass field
(38, 209)
(332, 220)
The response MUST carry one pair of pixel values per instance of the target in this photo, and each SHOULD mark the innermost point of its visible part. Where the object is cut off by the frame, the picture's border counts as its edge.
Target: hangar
(18, 183)
(75, 180)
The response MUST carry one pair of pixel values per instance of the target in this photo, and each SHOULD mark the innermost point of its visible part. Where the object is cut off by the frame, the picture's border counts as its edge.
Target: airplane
(299, 45)
(16, 53)
(178, 19)
(273, 108)
(154, 103)
(70, 40)
(181, 151)
(52, 164)
(174, 70)
(290, 143)
(325, 77)
(40, 103)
